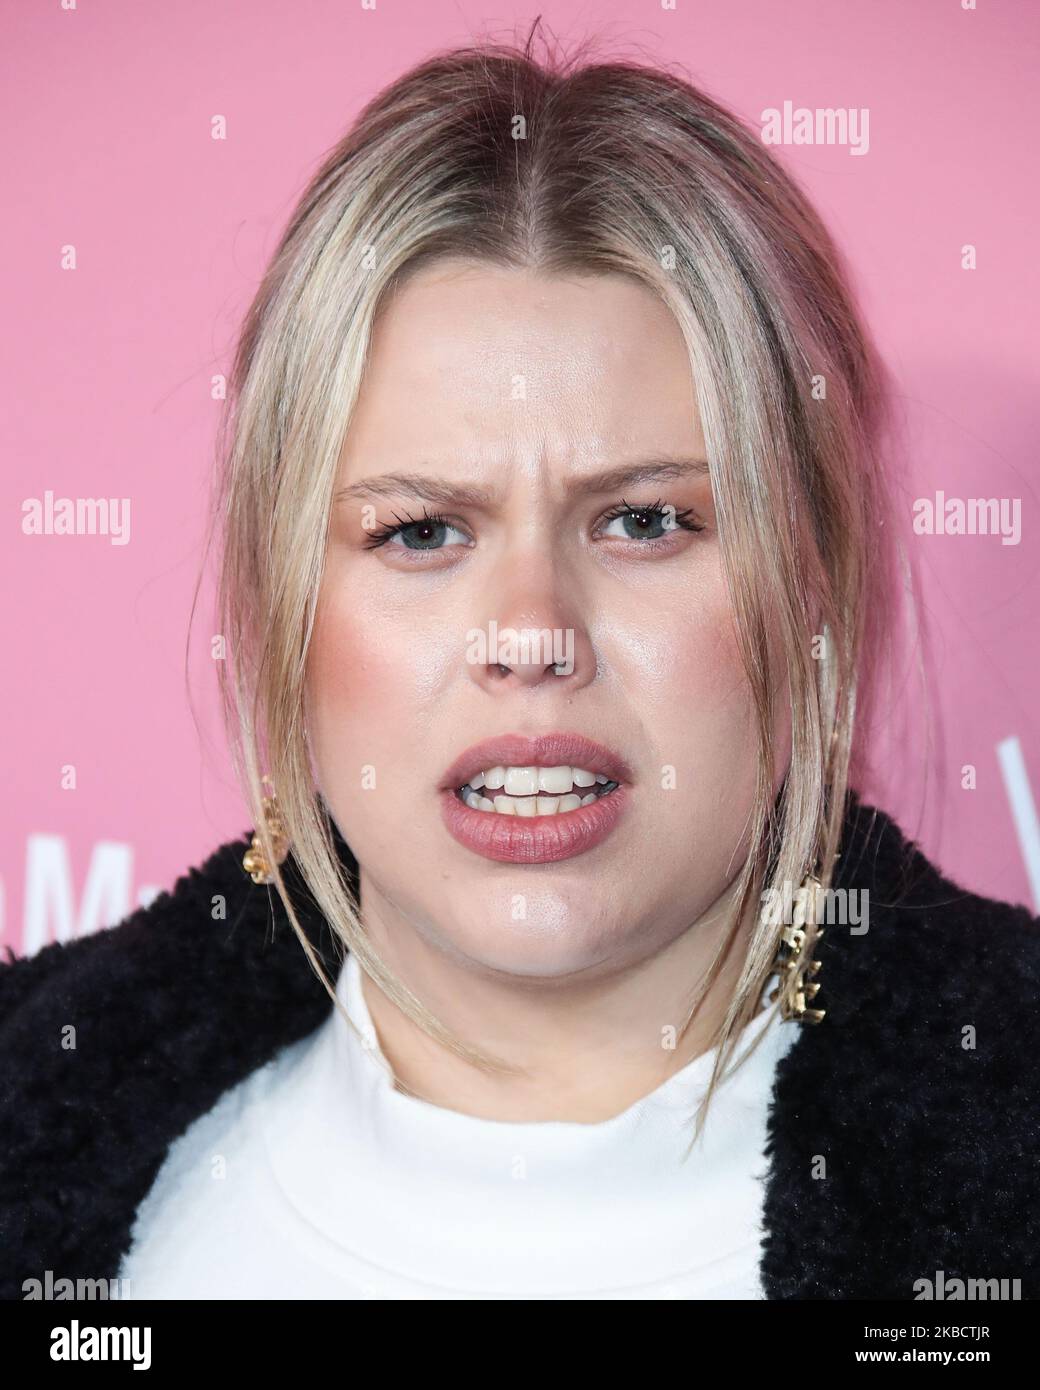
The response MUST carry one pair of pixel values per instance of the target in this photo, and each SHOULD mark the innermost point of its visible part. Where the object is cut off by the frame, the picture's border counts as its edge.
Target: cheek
(367, 686)
(712, 708)
(718, 717)
(686, 656)
(372, 655)
(691, 692)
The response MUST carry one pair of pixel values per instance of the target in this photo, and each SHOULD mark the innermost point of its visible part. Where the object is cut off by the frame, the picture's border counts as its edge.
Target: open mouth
(535, 799)
(534, 791)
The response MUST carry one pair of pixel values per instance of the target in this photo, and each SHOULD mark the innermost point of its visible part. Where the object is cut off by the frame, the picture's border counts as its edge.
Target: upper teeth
(528, 781)
(538, 791)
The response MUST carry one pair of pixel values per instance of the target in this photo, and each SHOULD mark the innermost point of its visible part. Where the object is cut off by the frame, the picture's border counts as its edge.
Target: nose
(533, 633)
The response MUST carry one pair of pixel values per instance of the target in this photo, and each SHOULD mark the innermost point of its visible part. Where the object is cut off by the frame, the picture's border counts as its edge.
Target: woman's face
(522, 411)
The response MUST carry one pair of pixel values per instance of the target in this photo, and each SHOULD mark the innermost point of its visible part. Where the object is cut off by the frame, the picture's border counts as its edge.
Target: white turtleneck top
(314, 1178)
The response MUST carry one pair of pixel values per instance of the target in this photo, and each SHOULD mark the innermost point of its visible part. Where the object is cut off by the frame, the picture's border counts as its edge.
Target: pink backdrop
(107, 112)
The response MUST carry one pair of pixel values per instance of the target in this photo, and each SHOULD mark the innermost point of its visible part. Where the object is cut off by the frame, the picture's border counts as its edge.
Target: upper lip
(536, 750)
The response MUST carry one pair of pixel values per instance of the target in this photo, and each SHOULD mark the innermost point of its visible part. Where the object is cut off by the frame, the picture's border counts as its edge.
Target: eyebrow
(444, 493)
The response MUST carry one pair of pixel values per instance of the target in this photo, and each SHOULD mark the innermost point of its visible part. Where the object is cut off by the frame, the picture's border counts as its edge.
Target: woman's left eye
(650, 523)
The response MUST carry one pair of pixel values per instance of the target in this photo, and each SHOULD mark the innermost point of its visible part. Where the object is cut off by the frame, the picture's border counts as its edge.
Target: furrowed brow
(444, 493)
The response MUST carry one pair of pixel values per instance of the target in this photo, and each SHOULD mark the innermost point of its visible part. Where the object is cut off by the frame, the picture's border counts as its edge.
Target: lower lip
(533, 839)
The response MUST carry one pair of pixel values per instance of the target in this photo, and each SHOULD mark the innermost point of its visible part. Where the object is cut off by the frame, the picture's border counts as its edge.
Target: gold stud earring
(254, 861)
(791, 959)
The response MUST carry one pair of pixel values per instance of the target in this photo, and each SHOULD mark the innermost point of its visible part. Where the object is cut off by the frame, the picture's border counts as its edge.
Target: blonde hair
(567, 166)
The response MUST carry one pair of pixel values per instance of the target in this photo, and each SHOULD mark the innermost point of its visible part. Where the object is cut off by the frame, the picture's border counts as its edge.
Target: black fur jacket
(904, 1129)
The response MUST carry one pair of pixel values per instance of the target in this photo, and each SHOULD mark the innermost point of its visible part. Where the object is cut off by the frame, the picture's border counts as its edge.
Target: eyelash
(658, 508)
(683, 521)
(382, 534)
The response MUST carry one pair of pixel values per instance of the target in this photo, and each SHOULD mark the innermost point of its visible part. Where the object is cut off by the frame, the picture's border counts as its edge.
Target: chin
(560, 935)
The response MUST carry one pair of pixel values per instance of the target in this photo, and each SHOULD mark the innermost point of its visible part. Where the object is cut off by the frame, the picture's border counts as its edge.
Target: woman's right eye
(424, 535)
(428, 533)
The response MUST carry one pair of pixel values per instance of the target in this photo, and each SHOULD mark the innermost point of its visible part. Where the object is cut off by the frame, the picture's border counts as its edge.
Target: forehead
(475, 350)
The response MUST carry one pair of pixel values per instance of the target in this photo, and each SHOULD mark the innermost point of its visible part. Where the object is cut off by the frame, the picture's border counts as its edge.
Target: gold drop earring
(791, 959)
(254, 861)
